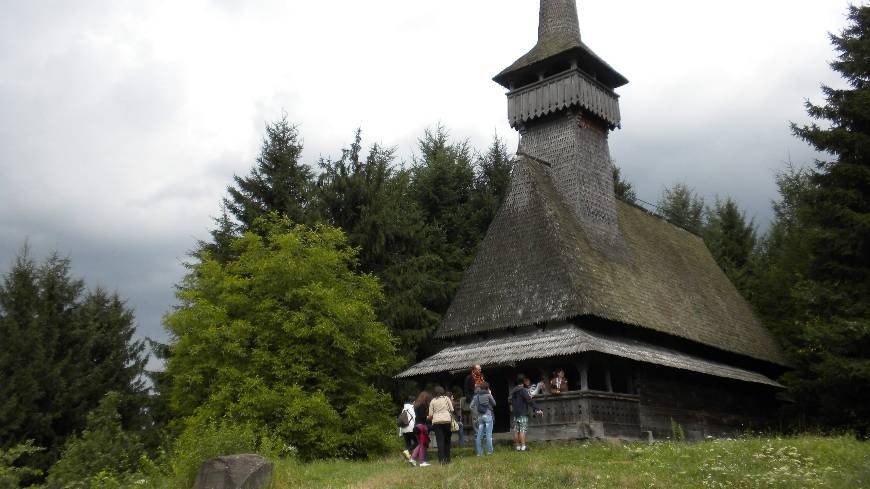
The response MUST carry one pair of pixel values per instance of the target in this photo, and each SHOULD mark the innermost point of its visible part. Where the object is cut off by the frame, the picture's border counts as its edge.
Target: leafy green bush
(11, 475)
(101, 455)
(205, 439)
(284, 338)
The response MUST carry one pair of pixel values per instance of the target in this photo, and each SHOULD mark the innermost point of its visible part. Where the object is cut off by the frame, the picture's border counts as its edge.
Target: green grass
(799, 462)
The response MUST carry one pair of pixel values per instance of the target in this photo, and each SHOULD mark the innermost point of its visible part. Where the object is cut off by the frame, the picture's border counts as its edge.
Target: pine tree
(681, 206)
(371, 201)
(491, 184)
(61, 349)
(622, 188)
(819, 247)
(837, 206)
(731, 240)
(278, 182)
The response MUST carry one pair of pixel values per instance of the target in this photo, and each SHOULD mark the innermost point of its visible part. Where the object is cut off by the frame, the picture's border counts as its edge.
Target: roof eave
(530, 63)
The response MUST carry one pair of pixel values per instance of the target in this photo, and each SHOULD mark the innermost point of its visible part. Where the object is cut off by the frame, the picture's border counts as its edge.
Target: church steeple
(562, 101)
(559, 47)
(558, 23)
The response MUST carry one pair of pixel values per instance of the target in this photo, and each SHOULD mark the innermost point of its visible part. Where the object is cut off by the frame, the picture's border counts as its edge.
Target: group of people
(427, 415)
(552, 386)
(423, 415)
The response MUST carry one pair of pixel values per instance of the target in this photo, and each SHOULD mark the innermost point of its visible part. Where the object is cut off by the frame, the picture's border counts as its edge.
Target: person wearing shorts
(522, 403)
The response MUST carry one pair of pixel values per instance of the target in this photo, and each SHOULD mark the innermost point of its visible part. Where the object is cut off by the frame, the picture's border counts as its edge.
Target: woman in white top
(407, 431)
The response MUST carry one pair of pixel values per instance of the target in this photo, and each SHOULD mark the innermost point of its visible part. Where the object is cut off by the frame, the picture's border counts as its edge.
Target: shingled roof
(567, 340)
(535, 265)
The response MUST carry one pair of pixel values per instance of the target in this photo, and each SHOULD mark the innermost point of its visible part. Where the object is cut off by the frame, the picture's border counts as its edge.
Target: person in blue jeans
(482, 405)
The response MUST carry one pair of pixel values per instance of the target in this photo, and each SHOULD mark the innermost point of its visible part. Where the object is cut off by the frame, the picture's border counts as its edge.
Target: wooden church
(649, 330)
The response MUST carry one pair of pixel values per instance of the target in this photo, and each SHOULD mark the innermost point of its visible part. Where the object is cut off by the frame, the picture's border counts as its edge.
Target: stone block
(245, 471)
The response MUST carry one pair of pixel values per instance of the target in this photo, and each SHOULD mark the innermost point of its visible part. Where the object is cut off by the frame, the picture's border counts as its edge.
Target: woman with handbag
(441, 415)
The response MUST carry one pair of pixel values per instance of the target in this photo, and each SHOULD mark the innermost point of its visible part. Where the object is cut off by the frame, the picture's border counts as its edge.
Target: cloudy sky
(122, 122)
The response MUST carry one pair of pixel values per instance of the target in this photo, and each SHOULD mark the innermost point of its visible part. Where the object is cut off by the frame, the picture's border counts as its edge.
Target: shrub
(205, 439)
(101, 454)
(12, 475)
(284, 338)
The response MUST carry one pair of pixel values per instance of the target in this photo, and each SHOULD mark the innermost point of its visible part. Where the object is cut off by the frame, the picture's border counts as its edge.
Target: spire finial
(558, 21)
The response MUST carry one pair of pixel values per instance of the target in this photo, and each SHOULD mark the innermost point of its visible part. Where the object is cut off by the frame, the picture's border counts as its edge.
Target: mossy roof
(535, 265)
(560, 51)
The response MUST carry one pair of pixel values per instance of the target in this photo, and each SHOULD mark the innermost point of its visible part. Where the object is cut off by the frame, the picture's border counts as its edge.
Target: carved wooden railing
(587, 414)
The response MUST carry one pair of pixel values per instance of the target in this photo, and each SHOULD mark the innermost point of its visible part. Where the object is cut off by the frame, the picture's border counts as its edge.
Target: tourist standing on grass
(441, 416)
(522, 404)
(418, 456)
(421, 411)
(481, 407)
(407, 431)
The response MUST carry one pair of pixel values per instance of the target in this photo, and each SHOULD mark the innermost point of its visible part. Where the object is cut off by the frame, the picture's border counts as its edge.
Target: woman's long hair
(423, 399)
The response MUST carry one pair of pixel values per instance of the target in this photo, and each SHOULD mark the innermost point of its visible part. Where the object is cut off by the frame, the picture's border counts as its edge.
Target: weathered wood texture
(569, 89)
(701, 405)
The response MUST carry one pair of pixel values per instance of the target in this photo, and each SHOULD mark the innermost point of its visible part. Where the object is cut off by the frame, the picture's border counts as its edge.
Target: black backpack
(404, 419)
(482, 402)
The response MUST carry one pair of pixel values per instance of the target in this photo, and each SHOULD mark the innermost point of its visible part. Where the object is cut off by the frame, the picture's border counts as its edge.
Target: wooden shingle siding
(537, 263)
(568, 340)
(565, 90)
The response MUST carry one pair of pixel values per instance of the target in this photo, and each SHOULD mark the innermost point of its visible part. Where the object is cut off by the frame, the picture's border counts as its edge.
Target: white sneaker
(523, 448)
(413, 462)
(518, 448)
(424, 464)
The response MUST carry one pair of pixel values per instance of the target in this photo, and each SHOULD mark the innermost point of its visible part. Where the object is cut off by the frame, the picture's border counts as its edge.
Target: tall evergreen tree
(491, 184)
(731, 239)
(837, 210)
(371, 201)
(61, 349)
(278, 182)
(680, 205)
(829, 333)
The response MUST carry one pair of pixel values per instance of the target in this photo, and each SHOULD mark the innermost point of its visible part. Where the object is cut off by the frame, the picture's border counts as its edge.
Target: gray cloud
(122, 123)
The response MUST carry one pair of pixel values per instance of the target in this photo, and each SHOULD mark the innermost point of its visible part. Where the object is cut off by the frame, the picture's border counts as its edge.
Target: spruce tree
(61, 349)
(680, 205)
(278, 182)
(731, 239)
(371, 201)
(491, 184)
(829, 334)
(837, 205)
(622, 188)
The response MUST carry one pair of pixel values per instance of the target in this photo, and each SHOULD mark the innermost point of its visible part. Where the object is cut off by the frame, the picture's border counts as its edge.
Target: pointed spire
(558, 22)
(558, 48)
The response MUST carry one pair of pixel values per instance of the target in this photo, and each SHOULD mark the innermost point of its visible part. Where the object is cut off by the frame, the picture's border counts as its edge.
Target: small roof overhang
(567, 340)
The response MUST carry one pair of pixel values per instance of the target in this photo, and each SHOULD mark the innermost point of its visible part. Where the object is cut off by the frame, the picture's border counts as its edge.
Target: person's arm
(491, 401)
(473, 405)
(431, 409)
(531, 402)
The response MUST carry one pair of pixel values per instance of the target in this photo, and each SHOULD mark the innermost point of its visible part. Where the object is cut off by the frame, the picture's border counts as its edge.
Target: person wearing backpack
(407, 420)
(481, 407)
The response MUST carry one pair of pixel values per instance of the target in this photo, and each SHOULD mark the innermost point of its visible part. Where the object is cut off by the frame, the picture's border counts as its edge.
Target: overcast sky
(122, 122)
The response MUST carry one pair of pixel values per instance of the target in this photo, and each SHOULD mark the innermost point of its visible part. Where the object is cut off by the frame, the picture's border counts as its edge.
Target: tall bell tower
(561, 99)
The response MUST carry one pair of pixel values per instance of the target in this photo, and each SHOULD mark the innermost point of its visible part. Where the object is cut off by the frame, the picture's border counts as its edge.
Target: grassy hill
(799, 462)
